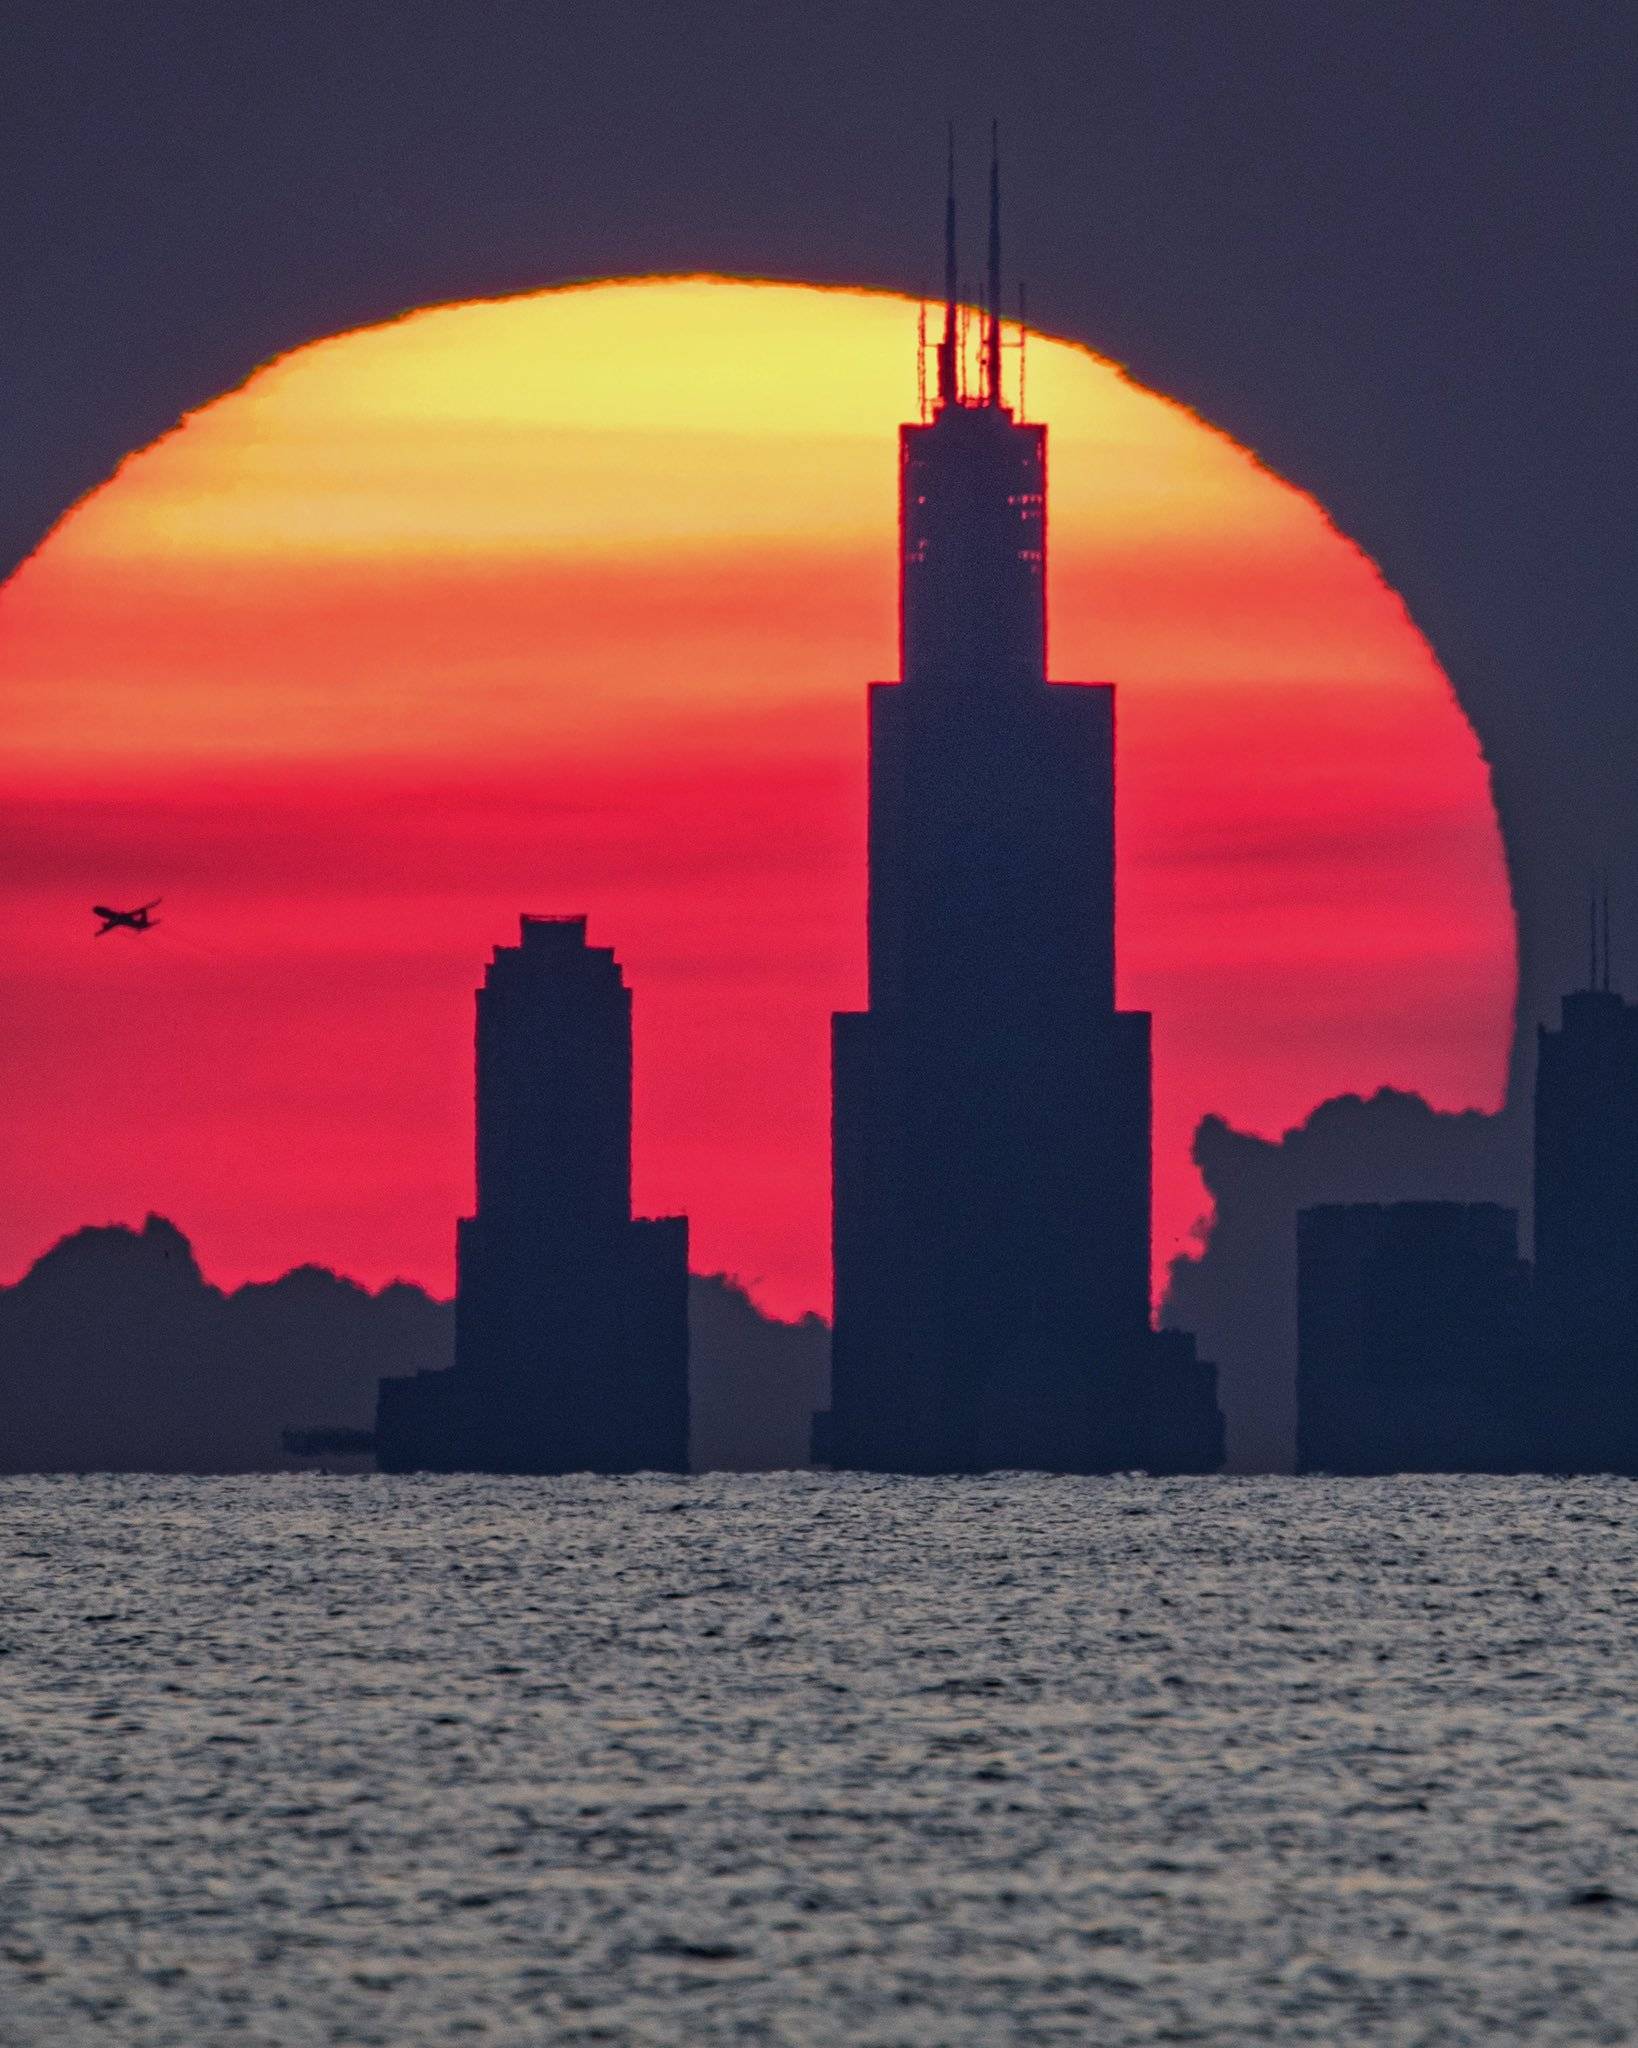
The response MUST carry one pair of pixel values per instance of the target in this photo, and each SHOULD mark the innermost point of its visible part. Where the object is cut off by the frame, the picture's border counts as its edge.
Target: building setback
(571, 1317)
(991, 1106)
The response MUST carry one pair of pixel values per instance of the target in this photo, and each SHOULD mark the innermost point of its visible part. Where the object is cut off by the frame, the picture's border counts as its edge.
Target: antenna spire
(949, 384)
(1592, 934)
(1606, 934)
(992, 336)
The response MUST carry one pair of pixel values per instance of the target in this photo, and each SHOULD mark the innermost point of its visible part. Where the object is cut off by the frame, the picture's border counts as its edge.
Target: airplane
(137, 920)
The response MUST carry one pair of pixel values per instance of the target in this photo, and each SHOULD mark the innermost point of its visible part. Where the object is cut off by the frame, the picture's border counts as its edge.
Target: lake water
(813, 1760)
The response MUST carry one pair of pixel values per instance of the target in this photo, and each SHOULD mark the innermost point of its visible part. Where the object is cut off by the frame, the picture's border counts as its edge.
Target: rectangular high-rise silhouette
(991, 1106)
(1586, 1175)
(571, 1317)
(1586, 1217)
(1413, 1341)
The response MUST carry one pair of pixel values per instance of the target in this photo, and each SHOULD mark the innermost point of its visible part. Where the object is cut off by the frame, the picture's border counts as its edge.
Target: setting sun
(568, 603)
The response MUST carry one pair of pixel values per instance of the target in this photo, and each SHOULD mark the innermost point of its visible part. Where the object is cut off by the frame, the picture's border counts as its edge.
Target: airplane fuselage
(139, 920)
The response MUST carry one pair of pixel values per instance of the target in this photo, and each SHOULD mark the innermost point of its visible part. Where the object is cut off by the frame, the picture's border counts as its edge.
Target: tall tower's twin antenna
(949, 381)
(992, 328)
(1598, 927)
(950, 364)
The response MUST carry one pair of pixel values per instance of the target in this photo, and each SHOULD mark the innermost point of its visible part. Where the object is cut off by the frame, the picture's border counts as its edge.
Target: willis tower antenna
(991, 1104)
(992, 323)
(949, 383)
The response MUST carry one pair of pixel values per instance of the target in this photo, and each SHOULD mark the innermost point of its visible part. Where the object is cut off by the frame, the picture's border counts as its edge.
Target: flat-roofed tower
(1586, 1219)
(571, 1316)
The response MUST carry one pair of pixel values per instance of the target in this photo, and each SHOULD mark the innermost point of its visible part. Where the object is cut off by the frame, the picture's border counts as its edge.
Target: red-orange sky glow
(568, 603)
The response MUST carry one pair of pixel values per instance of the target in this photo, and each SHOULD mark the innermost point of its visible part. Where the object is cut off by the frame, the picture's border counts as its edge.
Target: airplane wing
(150, 906)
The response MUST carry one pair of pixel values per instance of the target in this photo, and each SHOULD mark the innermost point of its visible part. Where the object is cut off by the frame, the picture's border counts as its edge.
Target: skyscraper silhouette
(992, 1105)
(1586, 1204)
(1586, 1179)
(571, 1318)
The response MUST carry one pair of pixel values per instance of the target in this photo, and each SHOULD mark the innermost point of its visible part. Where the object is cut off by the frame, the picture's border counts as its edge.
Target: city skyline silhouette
(117, 1354)
(945, 624)
(553, 663)
(1180, 1266)
(602, 726)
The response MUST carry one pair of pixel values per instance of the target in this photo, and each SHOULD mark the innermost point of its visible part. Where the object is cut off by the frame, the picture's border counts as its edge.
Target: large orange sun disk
(568, 602)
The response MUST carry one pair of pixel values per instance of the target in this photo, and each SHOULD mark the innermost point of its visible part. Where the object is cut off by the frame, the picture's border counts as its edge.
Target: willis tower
(991, 1106)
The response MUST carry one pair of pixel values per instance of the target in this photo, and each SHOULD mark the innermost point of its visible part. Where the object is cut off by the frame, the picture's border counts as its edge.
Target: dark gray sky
(1389, 246)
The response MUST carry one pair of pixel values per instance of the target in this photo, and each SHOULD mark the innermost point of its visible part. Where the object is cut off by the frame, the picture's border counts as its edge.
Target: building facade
(571, 1316)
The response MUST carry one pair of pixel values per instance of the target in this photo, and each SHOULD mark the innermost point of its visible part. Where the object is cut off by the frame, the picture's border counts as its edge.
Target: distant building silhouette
(1586, 1176)
(1413, 1340)
(571, 1318)
(1425, 1344)
(1239, 1288)
(991, 1116)
(1586, 1204)
(117, 1355)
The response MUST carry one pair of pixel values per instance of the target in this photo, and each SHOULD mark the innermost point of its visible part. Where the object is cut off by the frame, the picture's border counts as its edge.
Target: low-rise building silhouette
(1413, 1340)
(571, 1316)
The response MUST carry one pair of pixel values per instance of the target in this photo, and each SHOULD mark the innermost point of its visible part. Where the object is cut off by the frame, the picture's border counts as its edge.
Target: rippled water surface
(818, 1760)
